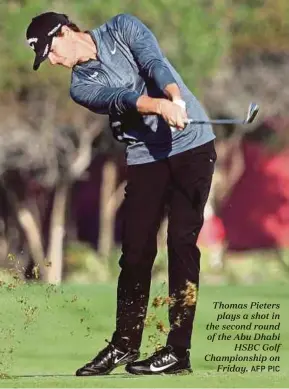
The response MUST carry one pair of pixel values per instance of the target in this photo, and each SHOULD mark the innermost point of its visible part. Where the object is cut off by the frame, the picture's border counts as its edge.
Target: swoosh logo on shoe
(162, 368)
(120, 359)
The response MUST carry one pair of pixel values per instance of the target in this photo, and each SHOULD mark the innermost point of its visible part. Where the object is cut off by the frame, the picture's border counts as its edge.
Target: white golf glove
(182, 104)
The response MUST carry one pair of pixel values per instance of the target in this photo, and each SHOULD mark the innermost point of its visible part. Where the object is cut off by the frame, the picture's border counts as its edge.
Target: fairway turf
(47, 333)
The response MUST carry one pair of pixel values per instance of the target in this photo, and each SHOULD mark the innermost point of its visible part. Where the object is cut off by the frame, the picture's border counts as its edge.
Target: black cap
(40, 34)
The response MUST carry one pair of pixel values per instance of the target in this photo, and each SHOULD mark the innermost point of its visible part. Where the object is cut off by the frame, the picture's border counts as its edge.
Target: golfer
(119, 70)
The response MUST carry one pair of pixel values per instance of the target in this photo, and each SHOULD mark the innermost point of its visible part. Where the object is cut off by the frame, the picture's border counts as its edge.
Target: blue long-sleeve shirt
(130, 63)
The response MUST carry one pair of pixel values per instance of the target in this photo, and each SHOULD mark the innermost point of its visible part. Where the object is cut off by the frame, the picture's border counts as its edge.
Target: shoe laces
(109, 348)
(162, 354)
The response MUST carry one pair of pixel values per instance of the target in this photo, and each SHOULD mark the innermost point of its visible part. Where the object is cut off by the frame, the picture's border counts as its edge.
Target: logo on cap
(54, 29)
(31, 42)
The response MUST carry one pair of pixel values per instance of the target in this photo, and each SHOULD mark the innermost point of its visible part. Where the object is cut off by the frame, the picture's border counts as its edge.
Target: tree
(54, 158)
(191, 37)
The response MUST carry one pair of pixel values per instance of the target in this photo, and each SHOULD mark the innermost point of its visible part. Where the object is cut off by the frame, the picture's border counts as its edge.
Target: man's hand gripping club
(173, 112)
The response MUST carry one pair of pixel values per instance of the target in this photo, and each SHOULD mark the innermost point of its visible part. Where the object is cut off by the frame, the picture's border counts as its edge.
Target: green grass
(46, 333)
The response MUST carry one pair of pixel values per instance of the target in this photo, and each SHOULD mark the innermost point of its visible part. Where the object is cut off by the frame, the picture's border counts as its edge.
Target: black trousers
(182, 184)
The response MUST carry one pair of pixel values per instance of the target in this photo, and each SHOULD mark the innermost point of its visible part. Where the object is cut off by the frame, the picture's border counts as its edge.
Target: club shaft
(252, 112)
(217, 121)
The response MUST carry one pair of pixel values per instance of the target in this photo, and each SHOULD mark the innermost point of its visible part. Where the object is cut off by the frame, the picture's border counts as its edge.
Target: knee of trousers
(181, 237)
(138, 259)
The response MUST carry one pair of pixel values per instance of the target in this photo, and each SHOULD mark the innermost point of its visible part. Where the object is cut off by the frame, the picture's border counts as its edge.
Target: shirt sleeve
(145, 49)
(104, 100)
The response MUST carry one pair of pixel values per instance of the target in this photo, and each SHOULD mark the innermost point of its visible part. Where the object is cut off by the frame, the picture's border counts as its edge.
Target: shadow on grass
(116, 375)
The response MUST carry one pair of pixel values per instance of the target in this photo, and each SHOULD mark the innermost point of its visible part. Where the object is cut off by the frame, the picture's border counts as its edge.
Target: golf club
(252, 112)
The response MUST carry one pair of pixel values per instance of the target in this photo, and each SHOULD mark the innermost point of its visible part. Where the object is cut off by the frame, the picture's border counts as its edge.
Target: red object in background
(256, 215)
(212, 232)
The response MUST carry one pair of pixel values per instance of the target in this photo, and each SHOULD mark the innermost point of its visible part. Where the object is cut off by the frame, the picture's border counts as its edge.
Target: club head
(252, 112)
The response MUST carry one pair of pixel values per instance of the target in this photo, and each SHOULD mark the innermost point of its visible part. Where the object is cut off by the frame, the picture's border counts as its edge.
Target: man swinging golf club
(118, 69)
